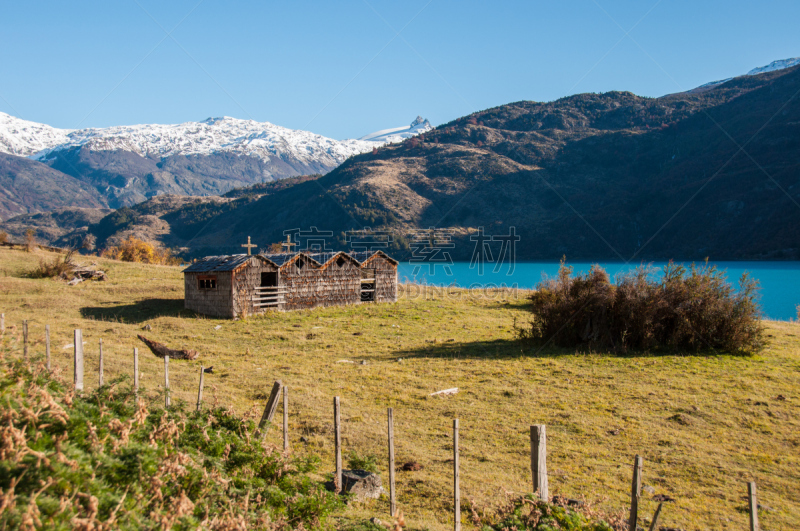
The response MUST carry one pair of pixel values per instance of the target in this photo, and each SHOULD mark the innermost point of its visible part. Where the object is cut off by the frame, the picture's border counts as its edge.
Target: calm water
(780, 281)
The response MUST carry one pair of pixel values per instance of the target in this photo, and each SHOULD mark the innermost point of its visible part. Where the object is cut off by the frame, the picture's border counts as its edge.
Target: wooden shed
(238, 285)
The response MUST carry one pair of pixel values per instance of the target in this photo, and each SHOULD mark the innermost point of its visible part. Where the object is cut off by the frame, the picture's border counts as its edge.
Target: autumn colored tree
(135, 250)
(30, 240)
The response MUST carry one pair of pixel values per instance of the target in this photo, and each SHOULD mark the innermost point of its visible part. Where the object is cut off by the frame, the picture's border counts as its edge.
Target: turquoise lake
(780, 281)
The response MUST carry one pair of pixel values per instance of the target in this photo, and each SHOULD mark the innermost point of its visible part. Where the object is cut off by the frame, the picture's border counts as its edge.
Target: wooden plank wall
(246, 279)
(312, 285)
(215, 302)
(385, 278)
(306, 287)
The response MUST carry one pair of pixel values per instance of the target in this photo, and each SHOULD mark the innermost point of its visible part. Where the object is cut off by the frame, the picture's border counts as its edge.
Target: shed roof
(213, 264)
(281, 259)
(363, 256)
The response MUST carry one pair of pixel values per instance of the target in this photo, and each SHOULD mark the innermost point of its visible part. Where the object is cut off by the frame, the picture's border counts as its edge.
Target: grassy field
(704, 424)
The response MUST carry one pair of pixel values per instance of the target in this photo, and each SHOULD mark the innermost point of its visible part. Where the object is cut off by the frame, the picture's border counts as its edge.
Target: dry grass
(704, 424)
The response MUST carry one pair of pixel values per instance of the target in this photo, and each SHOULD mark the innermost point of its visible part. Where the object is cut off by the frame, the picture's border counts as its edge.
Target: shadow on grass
(489, 349)
(518, 348)
(138, 312)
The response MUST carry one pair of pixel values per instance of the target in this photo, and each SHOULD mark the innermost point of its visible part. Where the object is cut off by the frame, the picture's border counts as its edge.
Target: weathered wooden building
(238, 285)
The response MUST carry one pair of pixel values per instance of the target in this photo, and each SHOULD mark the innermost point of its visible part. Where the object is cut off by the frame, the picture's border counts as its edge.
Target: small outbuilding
(240, 285)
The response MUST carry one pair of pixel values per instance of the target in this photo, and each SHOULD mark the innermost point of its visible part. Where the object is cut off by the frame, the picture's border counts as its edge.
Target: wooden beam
(78, 360)
(636, 493)
(337, 436)
(539, 461)
(753, 505)
(456, 488)
(271, 407)
(392, 493)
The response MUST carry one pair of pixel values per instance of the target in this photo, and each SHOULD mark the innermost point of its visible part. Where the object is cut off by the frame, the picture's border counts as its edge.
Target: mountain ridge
(124, 165)
(590, 176)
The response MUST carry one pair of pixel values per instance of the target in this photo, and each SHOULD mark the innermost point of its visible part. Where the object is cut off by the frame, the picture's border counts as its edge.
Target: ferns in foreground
(104, 460)
(528, 513)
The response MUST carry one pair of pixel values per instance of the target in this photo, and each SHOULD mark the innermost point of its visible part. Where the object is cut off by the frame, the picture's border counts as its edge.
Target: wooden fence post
(654, 523)
(271, 407)
(337, 429)
(136, 370)
(636, 492)
(753, 503)
(2, 323)
(78, 360)
(200, 389)
(456, 489)
(100, 369)
(392, 494)
(285, 418)
(539, 461)
(47, 344)
(166, 381)
(25, 338)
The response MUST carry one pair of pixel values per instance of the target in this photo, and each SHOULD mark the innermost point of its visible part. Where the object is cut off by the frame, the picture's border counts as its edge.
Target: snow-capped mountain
(774, 65)
(124, 165)
(262, 140)
(398, 134)
(24, 138)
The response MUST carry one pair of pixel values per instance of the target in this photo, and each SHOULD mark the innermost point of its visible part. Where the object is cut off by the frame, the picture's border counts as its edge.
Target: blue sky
(341, 69)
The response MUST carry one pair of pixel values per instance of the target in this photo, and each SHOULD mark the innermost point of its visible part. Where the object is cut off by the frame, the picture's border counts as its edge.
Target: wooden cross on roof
(249, 245)
(288, 243)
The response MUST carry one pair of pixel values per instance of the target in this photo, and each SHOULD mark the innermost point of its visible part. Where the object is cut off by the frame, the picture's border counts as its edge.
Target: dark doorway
(269, 280)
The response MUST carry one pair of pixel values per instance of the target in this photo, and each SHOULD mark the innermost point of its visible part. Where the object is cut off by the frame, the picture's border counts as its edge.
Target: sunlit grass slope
(705, 424)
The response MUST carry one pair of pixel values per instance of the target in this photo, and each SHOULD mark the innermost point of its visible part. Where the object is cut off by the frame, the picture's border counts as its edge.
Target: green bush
(691, 308)
(362, 462)
(105, 460)
(528, 513)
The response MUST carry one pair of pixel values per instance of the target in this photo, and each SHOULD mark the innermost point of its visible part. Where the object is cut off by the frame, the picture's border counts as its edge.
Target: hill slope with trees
(710, 172)
(707, 173)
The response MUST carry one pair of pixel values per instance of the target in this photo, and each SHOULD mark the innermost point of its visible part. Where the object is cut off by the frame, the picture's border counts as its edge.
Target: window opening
(207, 282)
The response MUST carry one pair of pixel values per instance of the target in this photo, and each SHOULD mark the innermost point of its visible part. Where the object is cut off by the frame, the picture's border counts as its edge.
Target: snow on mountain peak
(213, 135)
(419, 120)
(398, 134)
(775, 65)
(23, 138)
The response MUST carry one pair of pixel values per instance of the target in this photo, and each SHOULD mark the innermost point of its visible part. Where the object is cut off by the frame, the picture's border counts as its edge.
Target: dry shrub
(135, 250)
(691, 308)
(3, 237)
(60, 265)
(30, 240)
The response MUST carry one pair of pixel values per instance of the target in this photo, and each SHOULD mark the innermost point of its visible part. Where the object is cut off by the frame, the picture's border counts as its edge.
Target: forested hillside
(712, 172)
